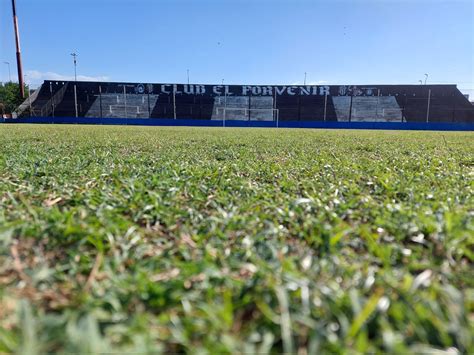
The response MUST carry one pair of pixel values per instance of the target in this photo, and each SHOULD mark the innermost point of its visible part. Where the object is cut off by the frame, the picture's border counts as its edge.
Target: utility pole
(9, 72)
(18, 51)
(74, 55)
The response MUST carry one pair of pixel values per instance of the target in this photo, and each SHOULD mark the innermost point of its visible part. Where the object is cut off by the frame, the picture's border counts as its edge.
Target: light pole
(9, 72)
(18, 51)
(421, 82)
(304, 78)
(74, 55)
(426, 78)
(188, 75)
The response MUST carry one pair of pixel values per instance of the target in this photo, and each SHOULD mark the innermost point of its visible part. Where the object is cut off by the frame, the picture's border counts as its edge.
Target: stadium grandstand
(342, 103)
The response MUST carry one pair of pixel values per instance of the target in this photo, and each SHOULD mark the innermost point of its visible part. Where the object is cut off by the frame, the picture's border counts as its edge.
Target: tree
(10, 97)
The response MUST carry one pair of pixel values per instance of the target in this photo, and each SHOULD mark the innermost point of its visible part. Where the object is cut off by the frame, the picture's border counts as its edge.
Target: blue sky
(244, 41)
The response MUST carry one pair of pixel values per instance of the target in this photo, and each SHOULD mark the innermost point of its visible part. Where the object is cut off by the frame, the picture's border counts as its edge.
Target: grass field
(137, 239)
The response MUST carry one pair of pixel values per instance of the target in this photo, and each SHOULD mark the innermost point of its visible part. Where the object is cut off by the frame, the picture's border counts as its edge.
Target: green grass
(137, 239)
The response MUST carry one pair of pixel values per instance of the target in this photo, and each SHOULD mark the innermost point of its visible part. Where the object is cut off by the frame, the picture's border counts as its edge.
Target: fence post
(250, 105)
(174, 104)
(428, 108)
(350, 110)
(51, 95)
(275, 112)
(225, 106)
(325, 105)
(125, 99)
(148, 97)
(100, 101)
(378, 104)
(75, 98)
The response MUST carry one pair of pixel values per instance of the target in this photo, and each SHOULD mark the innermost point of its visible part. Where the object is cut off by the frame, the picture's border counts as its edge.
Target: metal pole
(428, 108)
(9, 72)
(250, 106)
(225, 105)
(149, 109)
(325, 105)
(174, 104)
(75, 67)
(100, 101)
(426, 78)
(378, 104)
(304, 79)
(125, 99)
(18, 51)
(74, 55)
(51, 99)
(188, 76)
(274, 107)
(75, 99)
(350, 111)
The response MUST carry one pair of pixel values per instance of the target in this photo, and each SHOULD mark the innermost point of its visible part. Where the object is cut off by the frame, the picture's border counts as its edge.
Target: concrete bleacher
(122, 106)
(189, 107)
(258, 108)
(44, 100)
(367, 109)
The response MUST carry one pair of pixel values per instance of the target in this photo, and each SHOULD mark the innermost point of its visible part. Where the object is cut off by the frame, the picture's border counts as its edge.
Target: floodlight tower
(18, 51)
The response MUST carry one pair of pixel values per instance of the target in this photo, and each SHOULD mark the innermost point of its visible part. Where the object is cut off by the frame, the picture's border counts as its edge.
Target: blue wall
(435, 126)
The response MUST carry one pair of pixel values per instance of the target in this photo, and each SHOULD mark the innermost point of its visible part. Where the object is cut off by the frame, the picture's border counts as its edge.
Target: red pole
(18, 51)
